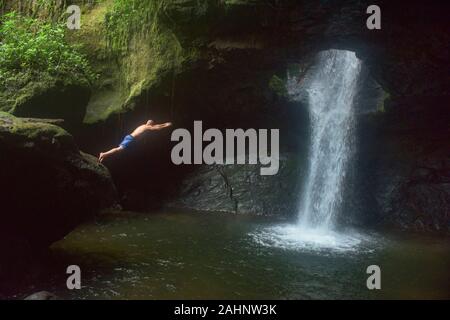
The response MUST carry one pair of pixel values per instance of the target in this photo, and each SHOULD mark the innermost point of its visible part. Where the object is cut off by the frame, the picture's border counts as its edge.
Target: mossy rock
(40, 136)
(48, 187)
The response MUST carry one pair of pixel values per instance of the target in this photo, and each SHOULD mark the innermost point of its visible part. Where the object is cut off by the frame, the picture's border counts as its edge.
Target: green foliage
(278, 86)
(34, 47)
(44, 9)
(140, 33)
(129, 17)
(382, 101)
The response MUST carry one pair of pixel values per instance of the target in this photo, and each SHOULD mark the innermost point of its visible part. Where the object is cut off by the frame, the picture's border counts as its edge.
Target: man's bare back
(149, 126)
(136, 134)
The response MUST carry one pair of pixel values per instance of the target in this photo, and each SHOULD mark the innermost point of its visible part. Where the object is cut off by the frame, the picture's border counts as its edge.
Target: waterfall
(330, 88)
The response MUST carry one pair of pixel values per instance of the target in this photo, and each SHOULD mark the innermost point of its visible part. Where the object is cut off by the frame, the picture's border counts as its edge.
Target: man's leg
(109, 153)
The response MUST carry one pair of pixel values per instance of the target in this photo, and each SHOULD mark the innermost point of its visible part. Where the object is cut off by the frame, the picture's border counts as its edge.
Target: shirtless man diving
(131, 138)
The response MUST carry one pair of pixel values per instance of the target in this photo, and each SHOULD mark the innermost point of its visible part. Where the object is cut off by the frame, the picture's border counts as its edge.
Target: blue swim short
(127, 141)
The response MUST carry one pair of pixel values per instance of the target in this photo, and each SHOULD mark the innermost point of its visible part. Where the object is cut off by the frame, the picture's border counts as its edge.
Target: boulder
(47, 186)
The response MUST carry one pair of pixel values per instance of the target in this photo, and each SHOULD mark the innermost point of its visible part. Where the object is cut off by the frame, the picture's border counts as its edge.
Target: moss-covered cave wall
(225, 62)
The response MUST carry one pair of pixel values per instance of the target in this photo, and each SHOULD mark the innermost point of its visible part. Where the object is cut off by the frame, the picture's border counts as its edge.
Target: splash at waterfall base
(329, 90)
(295, 237)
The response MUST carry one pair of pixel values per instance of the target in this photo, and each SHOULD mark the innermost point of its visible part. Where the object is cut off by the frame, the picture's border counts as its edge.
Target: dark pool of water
(214, 256)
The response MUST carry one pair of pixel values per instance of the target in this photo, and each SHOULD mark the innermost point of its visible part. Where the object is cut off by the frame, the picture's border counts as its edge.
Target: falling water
(330, 88)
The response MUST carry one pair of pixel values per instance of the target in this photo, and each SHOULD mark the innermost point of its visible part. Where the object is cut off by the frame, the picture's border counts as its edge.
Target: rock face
(47, 186)
(420, 201)
(399, 174)
(405, 164)
(55, 100)
(42, 295)
(240, 189)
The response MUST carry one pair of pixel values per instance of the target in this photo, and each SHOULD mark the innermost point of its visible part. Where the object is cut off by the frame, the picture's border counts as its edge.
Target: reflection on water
(189, 256)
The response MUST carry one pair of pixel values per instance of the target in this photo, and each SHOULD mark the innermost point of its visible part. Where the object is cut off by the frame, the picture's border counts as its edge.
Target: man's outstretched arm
(160, 126)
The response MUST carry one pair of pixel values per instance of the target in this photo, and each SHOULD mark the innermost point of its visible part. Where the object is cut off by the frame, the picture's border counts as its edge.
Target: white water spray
(330, 88)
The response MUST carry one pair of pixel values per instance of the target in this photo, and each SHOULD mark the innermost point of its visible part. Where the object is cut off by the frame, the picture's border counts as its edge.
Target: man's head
(150, 122)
